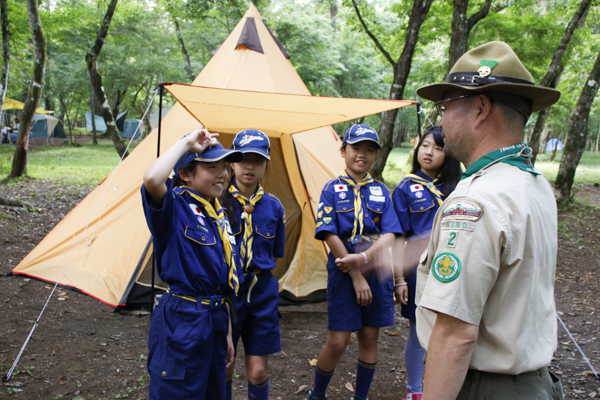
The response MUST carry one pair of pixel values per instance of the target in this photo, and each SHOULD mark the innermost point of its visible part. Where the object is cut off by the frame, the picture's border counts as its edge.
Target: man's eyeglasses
(441, 108)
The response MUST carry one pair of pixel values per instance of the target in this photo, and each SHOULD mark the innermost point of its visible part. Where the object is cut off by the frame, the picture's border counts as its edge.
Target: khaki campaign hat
(493, 68)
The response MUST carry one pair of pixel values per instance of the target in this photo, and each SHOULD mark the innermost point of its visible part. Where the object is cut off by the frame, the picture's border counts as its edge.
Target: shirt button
(421, 208)
(268, 233)
(362, 195)
(164, 373)
(344, 208)
(224, 261)
(378, 209)
(366, 215)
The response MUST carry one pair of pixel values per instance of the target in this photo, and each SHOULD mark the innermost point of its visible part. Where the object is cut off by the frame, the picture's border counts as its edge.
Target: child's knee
(257, 374)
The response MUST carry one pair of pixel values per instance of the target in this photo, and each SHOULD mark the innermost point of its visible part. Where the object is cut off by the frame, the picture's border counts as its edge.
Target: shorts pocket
(166, 380)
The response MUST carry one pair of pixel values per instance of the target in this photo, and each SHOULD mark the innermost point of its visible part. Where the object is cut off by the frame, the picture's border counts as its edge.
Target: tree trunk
(186, 57)
(597, 140)
(401, 71)
(554, 71)
(94, 131)
(19, 165)
(96, 80)
(333, 12)
(577, 130)
(461, 27)
(544, 140)
(5, 52)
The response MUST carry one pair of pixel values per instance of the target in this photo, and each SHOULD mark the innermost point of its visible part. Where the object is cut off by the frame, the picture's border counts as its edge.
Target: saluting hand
(199, 140)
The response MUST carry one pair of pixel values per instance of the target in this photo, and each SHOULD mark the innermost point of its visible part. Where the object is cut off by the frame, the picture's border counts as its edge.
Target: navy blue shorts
(257, 320)
(187, 350)
(343, 311)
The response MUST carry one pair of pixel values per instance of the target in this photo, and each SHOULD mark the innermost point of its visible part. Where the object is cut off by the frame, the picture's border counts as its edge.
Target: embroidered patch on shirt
(320, 205)
(376, 190)
(328, 210)
(445, 267)
(195, 209)
(418, 195)
(319, 223)
(458, 225)
(319, 214)
(327, 220)
(416, 187)
(341, 188)
(342, 195)
(283, 219)
(462, 209)
(379, 199)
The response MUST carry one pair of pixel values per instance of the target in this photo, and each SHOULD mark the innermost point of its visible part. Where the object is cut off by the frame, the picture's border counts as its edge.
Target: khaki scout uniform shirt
(493, 249)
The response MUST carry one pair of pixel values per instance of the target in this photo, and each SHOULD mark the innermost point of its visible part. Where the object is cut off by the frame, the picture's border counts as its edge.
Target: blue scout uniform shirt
(336, 211)
(268, 220)
(187, 246)
(415, 206)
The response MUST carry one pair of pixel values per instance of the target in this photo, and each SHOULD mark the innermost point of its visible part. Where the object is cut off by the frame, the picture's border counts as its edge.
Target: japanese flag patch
(341, 188)
(416, 187)
(195, 209)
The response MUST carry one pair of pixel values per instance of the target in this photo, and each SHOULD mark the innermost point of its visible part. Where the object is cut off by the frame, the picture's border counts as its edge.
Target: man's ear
(484, 108)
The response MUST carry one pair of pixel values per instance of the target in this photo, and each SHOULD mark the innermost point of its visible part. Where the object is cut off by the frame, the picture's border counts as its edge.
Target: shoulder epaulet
(328, 184)
(273, 196)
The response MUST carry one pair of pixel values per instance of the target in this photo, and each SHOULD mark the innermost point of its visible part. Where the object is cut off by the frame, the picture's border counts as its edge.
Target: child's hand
(364, 297)
(200, 140)
(230, 350)
(401, 294)
(349, 262)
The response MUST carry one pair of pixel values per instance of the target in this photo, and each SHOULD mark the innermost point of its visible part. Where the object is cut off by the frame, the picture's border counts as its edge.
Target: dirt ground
(83, 349)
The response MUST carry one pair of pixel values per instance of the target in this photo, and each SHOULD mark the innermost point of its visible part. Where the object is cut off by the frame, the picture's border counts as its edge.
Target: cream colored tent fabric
(114, 251)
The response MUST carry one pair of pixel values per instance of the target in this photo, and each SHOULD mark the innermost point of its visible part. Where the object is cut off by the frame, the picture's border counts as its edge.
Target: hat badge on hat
(361, 131)
(486, 67)
(249, 138)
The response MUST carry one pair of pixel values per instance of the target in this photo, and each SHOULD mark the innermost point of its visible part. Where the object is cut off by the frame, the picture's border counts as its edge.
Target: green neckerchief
(518, 155)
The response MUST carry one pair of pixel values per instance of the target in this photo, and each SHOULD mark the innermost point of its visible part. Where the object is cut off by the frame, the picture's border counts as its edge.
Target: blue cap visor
(354, 141)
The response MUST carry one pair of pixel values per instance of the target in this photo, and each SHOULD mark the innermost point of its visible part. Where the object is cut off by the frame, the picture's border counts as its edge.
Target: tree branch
(479, 15)
(379, 46)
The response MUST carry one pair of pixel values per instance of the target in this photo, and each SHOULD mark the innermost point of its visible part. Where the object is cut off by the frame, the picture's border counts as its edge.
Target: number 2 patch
(452, 239)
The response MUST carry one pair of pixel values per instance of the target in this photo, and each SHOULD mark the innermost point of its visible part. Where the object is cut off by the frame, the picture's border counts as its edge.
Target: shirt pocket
(200, 237)
(421, 206)
(376, 206)
(264, 241)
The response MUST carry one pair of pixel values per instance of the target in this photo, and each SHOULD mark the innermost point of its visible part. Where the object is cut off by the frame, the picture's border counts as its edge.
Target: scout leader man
(485, 285)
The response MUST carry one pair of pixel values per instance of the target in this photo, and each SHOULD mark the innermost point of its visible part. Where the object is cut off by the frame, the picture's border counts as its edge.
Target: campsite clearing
(82, 349)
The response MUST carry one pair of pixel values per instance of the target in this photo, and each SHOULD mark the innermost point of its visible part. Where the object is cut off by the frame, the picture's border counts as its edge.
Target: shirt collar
(518, 155)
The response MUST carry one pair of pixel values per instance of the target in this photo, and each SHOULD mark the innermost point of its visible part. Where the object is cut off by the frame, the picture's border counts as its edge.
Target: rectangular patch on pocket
(458, 225)
(379, 199)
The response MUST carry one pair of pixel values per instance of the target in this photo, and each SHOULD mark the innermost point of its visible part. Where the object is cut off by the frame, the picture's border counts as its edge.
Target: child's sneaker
(315, 396)
(412, 396)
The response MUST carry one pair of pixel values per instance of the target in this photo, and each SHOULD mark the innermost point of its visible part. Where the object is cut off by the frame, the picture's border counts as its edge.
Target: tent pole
(160, 92)
(419, 120)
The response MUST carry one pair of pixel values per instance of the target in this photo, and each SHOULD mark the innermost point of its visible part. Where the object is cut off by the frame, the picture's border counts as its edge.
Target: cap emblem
(361, 131)
(249, 138)
(486, 67)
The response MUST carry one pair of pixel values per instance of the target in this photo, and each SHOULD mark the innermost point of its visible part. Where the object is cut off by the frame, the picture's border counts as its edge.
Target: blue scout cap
(359, 132)
(211, 154)
(252, 141)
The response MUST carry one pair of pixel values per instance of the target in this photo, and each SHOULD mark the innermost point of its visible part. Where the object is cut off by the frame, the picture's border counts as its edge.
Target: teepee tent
(249, 83)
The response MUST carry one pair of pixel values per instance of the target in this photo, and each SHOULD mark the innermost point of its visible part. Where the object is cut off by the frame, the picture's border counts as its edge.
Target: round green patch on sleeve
(446, 267)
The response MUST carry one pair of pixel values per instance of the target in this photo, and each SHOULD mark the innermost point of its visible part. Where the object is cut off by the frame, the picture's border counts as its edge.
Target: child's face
(431, 157)
(208, 179)
(359, 157)
(251, 170)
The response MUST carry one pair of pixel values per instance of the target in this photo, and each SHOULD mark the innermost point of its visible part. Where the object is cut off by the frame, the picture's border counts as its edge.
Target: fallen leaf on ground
(393, 334)
(313, 362)
(349, 386)
(302, 389)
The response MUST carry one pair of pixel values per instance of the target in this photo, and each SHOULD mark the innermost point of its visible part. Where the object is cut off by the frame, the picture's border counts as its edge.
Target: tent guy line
(8, 375)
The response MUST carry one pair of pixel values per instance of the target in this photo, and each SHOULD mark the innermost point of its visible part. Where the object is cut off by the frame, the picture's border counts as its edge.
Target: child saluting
(190, 332)
(258, 223)
(356, 219)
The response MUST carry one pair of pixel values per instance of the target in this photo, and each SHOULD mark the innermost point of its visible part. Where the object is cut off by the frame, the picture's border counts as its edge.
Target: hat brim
(220, 154)
(541, 97)
(364, 140)
(257, 151)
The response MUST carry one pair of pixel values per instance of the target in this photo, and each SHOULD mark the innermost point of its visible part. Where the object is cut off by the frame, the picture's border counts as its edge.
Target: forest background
(344, 48)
